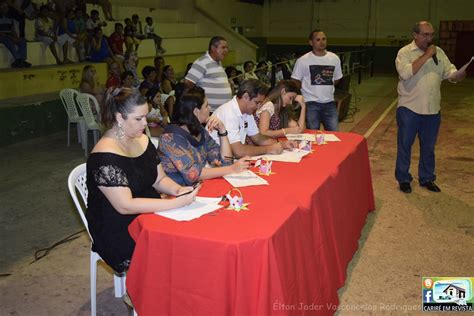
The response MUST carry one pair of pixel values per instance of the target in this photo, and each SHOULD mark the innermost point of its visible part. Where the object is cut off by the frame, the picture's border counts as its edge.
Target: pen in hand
(195, 185)
(235, 158)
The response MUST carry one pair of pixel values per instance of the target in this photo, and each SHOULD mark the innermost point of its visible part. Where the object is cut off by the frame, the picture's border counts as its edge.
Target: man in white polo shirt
(237, 116)
(317, 72)
(207, 73)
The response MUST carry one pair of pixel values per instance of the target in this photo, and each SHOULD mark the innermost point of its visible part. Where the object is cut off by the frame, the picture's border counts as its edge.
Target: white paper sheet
(312, 137)
(463, 68)
(285, 156)
(244, 179)
(331, 138)
(201, 206)
(308, 137)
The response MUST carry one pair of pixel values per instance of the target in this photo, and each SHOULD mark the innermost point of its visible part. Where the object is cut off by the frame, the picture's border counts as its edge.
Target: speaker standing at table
(318, 71)
(421, 67)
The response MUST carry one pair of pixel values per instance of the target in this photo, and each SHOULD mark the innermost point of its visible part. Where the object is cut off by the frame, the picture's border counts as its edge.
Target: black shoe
(17, 64)
(405, 187)
(430, 185)
(25, 64)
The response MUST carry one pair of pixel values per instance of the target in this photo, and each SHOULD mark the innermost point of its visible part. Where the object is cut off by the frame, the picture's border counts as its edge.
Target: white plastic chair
(77, 180)
(85, 102)
(68, 99)
(346, 63)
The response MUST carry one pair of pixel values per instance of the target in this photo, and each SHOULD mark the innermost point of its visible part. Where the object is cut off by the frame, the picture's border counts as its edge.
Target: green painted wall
(19, 123)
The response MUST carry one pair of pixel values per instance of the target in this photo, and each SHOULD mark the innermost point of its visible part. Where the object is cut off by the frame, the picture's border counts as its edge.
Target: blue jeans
(325, 113)
(409, 125)
(18, 50)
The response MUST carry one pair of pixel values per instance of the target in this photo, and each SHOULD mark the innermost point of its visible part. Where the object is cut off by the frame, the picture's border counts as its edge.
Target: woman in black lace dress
(124, 178)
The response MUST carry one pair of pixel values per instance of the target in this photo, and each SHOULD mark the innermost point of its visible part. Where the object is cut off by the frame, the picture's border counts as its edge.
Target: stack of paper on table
(285, 156)
(331, 138)
(312, 137)
(307, 137)
(244, 179)
(201, 206)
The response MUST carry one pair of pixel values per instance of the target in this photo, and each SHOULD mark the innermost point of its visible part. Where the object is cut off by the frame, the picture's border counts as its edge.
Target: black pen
(235, 158)
(195, 185)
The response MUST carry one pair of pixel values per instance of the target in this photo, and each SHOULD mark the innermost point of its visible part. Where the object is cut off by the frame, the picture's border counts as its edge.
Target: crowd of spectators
(161, 87)
(65, 25)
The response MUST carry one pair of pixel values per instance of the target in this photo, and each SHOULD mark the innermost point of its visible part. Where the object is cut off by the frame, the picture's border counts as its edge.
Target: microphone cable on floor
(41, 253)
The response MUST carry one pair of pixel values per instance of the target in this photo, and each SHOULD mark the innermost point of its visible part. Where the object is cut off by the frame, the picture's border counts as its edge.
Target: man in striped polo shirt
(207, 73)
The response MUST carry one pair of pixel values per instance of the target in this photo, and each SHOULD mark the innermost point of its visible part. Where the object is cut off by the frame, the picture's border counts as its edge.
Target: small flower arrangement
(236, 202)
(264, 167)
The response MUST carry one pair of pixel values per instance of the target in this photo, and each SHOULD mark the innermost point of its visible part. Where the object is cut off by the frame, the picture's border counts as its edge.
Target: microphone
(435, 59)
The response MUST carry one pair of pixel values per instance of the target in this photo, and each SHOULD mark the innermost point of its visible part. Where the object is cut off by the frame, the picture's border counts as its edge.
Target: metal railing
(358, 62)
(352, 62)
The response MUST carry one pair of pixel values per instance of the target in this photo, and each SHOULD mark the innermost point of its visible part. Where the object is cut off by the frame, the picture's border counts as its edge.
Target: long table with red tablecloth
(286, 255)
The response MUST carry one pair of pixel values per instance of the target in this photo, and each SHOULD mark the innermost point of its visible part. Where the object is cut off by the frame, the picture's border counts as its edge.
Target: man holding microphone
(421, 67)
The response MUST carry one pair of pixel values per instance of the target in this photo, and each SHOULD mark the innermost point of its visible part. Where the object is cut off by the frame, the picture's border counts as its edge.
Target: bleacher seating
(26, 105)
(167, 24)
(40, 55)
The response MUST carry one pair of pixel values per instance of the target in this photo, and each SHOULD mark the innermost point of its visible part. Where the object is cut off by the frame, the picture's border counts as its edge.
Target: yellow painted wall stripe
(46, 79)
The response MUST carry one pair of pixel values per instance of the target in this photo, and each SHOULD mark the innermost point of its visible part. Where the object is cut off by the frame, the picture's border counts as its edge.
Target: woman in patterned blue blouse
(186, 147)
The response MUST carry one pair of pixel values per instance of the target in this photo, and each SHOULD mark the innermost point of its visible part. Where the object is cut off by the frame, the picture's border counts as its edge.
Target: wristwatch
(222, 134)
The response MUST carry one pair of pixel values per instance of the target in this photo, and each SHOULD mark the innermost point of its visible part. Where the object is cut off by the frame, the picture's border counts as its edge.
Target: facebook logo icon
(427, 295)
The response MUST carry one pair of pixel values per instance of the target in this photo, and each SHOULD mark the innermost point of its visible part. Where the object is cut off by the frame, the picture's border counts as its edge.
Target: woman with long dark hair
(186, 147)
(125, 178)
(168, 81)
(282, 112)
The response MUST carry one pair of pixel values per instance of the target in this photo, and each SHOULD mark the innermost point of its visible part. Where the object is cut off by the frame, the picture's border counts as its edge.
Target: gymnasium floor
(407, 237)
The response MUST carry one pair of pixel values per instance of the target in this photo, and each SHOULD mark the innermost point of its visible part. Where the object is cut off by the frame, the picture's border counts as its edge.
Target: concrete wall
(233, 14)
(39, 80)
(348, 22)
(218, 17)
(355, 22)
(282, 26)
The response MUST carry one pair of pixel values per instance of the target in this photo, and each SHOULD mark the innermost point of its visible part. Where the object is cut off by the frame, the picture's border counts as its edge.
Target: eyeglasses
(426, 34)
